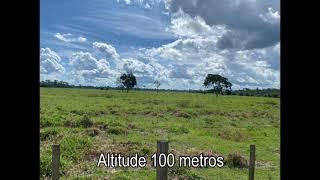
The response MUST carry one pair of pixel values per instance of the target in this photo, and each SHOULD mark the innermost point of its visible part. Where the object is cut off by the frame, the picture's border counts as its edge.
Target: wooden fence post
(55, 161)
(162, 172)
(252, 161)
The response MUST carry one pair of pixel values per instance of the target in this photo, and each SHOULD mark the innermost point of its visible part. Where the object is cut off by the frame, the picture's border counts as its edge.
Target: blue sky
(176, 42)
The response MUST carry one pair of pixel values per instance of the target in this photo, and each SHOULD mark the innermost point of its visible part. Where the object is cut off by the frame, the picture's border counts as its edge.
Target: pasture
(87, 122)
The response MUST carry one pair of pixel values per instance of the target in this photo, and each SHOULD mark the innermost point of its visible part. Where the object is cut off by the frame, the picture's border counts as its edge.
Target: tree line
(217, 84)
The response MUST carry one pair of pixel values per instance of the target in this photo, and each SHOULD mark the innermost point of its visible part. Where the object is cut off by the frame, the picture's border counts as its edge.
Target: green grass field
(89, 122)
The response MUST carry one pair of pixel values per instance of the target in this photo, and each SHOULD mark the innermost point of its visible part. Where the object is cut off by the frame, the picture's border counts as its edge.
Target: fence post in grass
(55, 161)
(252, 161)
(162, 147)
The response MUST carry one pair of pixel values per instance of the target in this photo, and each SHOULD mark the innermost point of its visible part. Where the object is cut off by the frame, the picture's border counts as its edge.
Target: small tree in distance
(128, 80)
(218, 83)
(157, 84)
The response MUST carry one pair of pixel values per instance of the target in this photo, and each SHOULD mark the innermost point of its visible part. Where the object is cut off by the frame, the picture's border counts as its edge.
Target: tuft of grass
(70, 123)
(182, 173)
(48, 134)
(93, 132)
(45, 165)
(184, 104)
(182, 114)
(235, 160)
(179, 130)
(116, 130)
(73, 148)
(86, 122)
(232, 134)
(146, 151)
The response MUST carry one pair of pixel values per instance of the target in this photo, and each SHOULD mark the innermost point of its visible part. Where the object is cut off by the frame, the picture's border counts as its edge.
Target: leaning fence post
(252, 161)
(162, 147)
(55, 161)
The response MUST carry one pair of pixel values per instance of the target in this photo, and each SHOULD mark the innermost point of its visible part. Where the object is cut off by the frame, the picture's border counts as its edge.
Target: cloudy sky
(176, 42)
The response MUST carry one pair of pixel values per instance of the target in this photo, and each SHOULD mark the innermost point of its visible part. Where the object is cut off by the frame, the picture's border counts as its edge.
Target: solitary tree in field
(157, 84)
(217, 82)
(128, 81)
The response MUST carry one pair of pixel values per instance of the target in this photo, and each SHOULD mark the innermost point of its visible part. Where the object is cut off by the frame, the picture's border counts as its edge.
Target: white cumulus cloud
(108, 49)
(86, 68)
(50, 62)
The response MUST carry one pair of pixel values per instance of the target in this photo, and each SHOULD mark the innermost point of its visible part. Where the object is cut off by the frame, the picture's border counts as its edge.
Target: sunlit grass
(86, 122)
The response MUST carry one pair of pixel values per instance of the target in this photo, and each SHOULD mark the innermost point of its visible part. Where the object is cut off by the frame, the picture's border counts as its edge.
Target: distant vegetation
(257, 92)
(244, 92)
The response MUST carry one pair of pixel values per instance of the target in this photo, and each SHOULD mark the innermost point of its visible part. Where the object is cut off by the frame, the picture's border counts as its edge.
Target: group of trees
(213, 82)
(218, 83)
(54, 83)
(257, 92)
(62, 84)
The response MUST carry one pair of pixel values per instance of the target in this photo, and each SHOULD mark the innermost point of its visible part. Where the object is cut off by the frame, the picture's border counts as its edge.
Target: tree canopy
(128, 80)
(218, 83)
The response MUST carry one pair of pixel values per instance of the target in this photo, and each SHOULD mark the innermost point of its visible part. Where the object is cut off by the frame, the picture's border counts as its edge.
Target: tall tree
(217, 82)
(128, 80)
